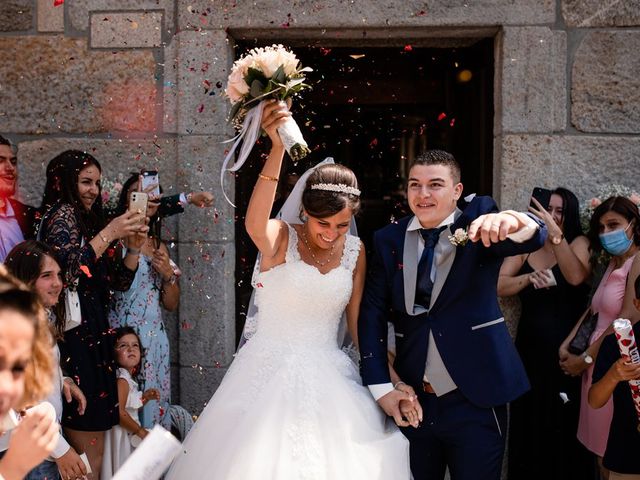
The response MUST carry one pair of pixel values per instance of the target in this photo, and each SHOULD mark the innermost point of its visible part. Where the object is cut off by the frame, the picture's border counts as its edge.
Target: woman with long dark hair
(551, 285)
(25, 378)
(88, 249)
(154, 286)
(35, 264)
(292, 404)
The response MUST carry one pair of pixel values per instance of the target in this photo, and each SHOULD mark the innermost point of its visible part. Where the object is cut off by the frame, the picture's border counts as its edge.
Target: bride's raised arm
(267, 233)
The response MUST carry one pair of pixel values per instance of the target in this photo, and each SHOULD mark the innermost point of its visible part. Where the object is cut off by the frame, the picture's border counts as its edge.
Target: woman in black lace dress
(551, 285)
(88, 250)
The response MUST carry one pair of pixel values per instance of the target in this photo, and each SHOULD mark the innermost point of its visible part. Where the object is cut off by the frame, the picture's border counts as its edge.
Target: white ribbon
(248, 135)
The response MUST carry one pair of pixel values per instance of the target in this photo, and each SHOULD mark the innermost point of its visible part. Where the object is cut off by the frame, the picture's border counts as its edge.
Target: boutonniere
(459, 238)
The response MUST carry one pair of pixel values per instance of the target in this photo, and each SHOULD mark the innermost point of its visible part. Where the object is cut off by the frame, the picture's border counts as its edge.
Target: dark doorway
(374, 109)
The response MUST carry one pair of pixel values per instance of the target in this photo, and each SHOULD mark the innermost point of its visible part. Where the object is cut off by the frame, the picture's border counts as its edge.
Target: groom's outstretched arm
(508, 232)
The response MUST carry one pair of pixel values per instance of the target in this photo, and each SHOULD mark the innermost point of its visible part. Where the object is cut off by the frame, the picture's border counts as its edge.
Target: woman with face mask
(614, 228)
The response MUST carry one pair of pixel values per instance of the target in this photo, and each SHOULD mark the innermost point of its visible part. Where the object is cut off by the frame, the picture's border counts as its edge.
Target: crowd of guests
(104, 362)
(578, 420)
(108, 379)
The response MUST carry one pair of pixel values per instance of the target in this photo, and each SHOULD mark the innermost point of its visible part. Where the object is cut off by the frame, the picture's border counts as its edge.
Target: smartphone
(138, 202)
(542, 195)
(150, 178)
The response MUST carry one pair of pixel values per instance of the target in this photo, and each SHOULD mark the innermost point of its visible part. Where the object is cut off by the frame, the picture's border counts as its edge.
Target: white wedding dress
(292, 405)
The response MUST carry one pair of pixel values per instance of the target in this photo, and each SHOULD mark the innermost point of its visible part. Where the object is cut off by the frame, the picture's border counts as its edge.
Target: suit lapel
(443, 267)
(410, 268)
(445, 258)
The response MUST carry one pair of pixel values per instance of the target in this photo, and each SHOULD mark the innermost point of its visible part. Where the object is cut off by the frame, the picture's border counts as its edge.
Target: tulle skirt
(284, 414)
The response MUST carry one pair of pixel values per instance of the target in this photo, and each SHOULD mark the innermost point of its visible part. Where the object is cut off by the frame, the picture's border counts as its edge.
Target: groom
(452, 345)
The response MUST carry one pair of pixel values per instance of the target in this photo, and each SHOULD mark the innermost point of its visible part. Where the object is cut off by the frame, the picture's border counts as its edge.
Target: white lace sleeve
(351, 252)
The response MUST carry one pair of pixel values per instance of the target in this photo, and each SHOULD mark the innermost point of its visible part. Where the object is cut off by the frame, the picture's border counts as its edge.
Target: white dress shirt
(10, 232)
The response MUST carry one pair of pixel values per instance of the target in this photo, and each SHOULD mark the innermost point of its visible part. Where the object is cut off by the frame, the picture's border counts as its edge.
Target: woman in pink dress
(615, 228)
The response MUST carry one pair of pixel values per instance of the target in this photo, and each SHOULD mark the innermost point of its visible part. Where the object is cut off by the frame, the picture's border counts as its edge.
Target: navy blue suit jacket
(465, 318)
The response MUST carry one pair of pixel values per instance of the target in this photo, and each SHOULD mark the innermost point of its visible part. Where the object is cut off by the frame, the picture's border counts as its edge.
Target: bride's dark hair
(323, 203)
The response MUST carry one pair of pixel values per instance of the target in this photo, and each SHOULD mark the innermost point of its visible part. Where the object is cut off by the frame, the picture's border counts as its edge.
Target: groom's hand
(390, 403)
(493, 227)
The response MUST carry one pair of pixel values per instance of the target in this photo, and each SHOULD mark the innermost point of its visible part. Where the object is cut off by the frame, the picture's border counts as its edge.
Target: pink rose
(237, 88)
(635, 198)
(594, 202)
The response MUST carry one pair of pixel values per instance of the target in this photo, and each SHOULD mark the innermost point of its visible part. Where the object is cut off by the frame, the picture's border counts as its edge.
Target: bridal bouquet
(263, 73)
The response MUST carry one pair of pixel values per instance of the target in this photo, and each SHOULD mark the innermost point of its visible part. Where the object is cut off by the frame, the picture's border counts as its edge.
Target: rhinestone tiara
(336, 187)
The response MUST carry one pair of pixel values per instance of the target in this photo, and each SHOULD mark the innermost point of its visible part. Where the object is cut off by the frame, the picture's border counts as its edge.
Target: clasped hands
(402, 404)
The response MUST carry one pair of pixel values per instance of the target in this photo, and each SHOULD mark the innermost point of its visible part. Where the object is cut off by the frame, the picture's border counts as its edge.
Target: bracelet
(267, 177)
(395, 387)
(133, 251)
(103, 238)
(172, 279)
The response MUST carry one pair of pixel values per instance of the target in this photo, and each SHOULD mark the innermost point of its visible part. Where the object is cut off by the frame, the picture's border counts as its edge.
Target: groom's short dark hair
(439, 157)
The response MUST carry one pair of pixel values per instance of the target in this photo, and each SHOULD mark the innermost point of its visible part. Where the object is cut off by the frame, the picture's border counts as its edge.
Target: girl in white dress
(292, 405)
(124, 437)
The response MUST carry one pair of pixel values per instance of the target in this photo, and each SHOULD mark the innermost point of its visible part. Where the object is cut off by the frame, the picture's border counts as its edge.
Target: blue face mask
(616, 242)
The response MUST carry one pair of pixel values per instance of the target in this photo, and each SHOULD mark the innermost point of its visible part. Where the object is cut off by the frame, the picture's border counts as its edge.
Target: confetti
(408, 48)
(57, 3)
(85, 270)
(357, 56)
(442, 116)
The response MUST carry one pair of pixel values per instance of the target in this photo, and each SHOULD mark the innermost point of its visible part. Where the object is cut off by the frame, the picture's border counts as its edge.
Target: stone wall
(139, 83)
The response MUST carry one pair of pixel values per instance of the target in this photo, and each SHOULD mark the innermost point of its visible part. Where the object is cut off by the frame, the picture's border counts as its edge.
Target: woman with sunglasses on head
(155, 286)
(615, 229)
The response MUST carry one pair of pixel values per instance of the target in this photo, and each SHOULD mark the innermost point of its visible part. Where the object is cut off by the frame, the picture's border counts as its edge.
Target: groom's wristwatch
(588, 359)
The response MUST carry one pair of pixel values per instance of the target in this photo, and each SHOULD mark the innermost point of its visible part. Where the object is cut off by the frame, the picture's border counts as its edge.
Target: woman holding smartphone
(88, 250)
(155, 285)
(551, 285)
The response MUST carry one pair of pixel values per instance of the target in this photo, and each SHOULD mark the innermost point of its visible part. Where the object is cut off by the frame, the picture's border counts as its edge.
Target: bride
(292, 405)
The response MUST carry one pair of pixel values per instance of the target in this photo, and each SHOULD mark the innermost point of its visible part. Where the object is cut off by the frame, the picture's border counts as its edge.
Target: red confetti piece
(373, 143)
(201, 108)
(57, 3)
(325, 51)
(442, 116)
(408, 48)
(85, 270)
(452, 122)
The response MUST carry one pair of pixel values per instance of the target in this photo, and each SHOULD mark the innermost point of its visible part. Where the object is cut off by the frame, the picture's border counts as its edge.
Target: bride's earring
(303, 218)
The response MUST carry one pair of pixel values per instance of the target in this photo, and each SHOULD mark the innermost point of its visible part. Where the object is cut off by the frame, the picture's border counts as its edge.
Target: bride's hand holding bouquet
(274, 116)
(263, 74)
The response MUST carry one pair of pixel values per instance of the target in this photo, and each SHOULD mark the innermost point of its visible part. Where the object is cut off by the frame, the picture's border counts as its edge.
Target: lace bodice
(299, 307)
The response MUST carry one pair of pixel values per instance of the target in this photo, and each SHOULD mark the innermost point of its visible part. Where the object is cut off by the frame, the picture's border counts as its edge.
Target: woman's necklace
(318, 262)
